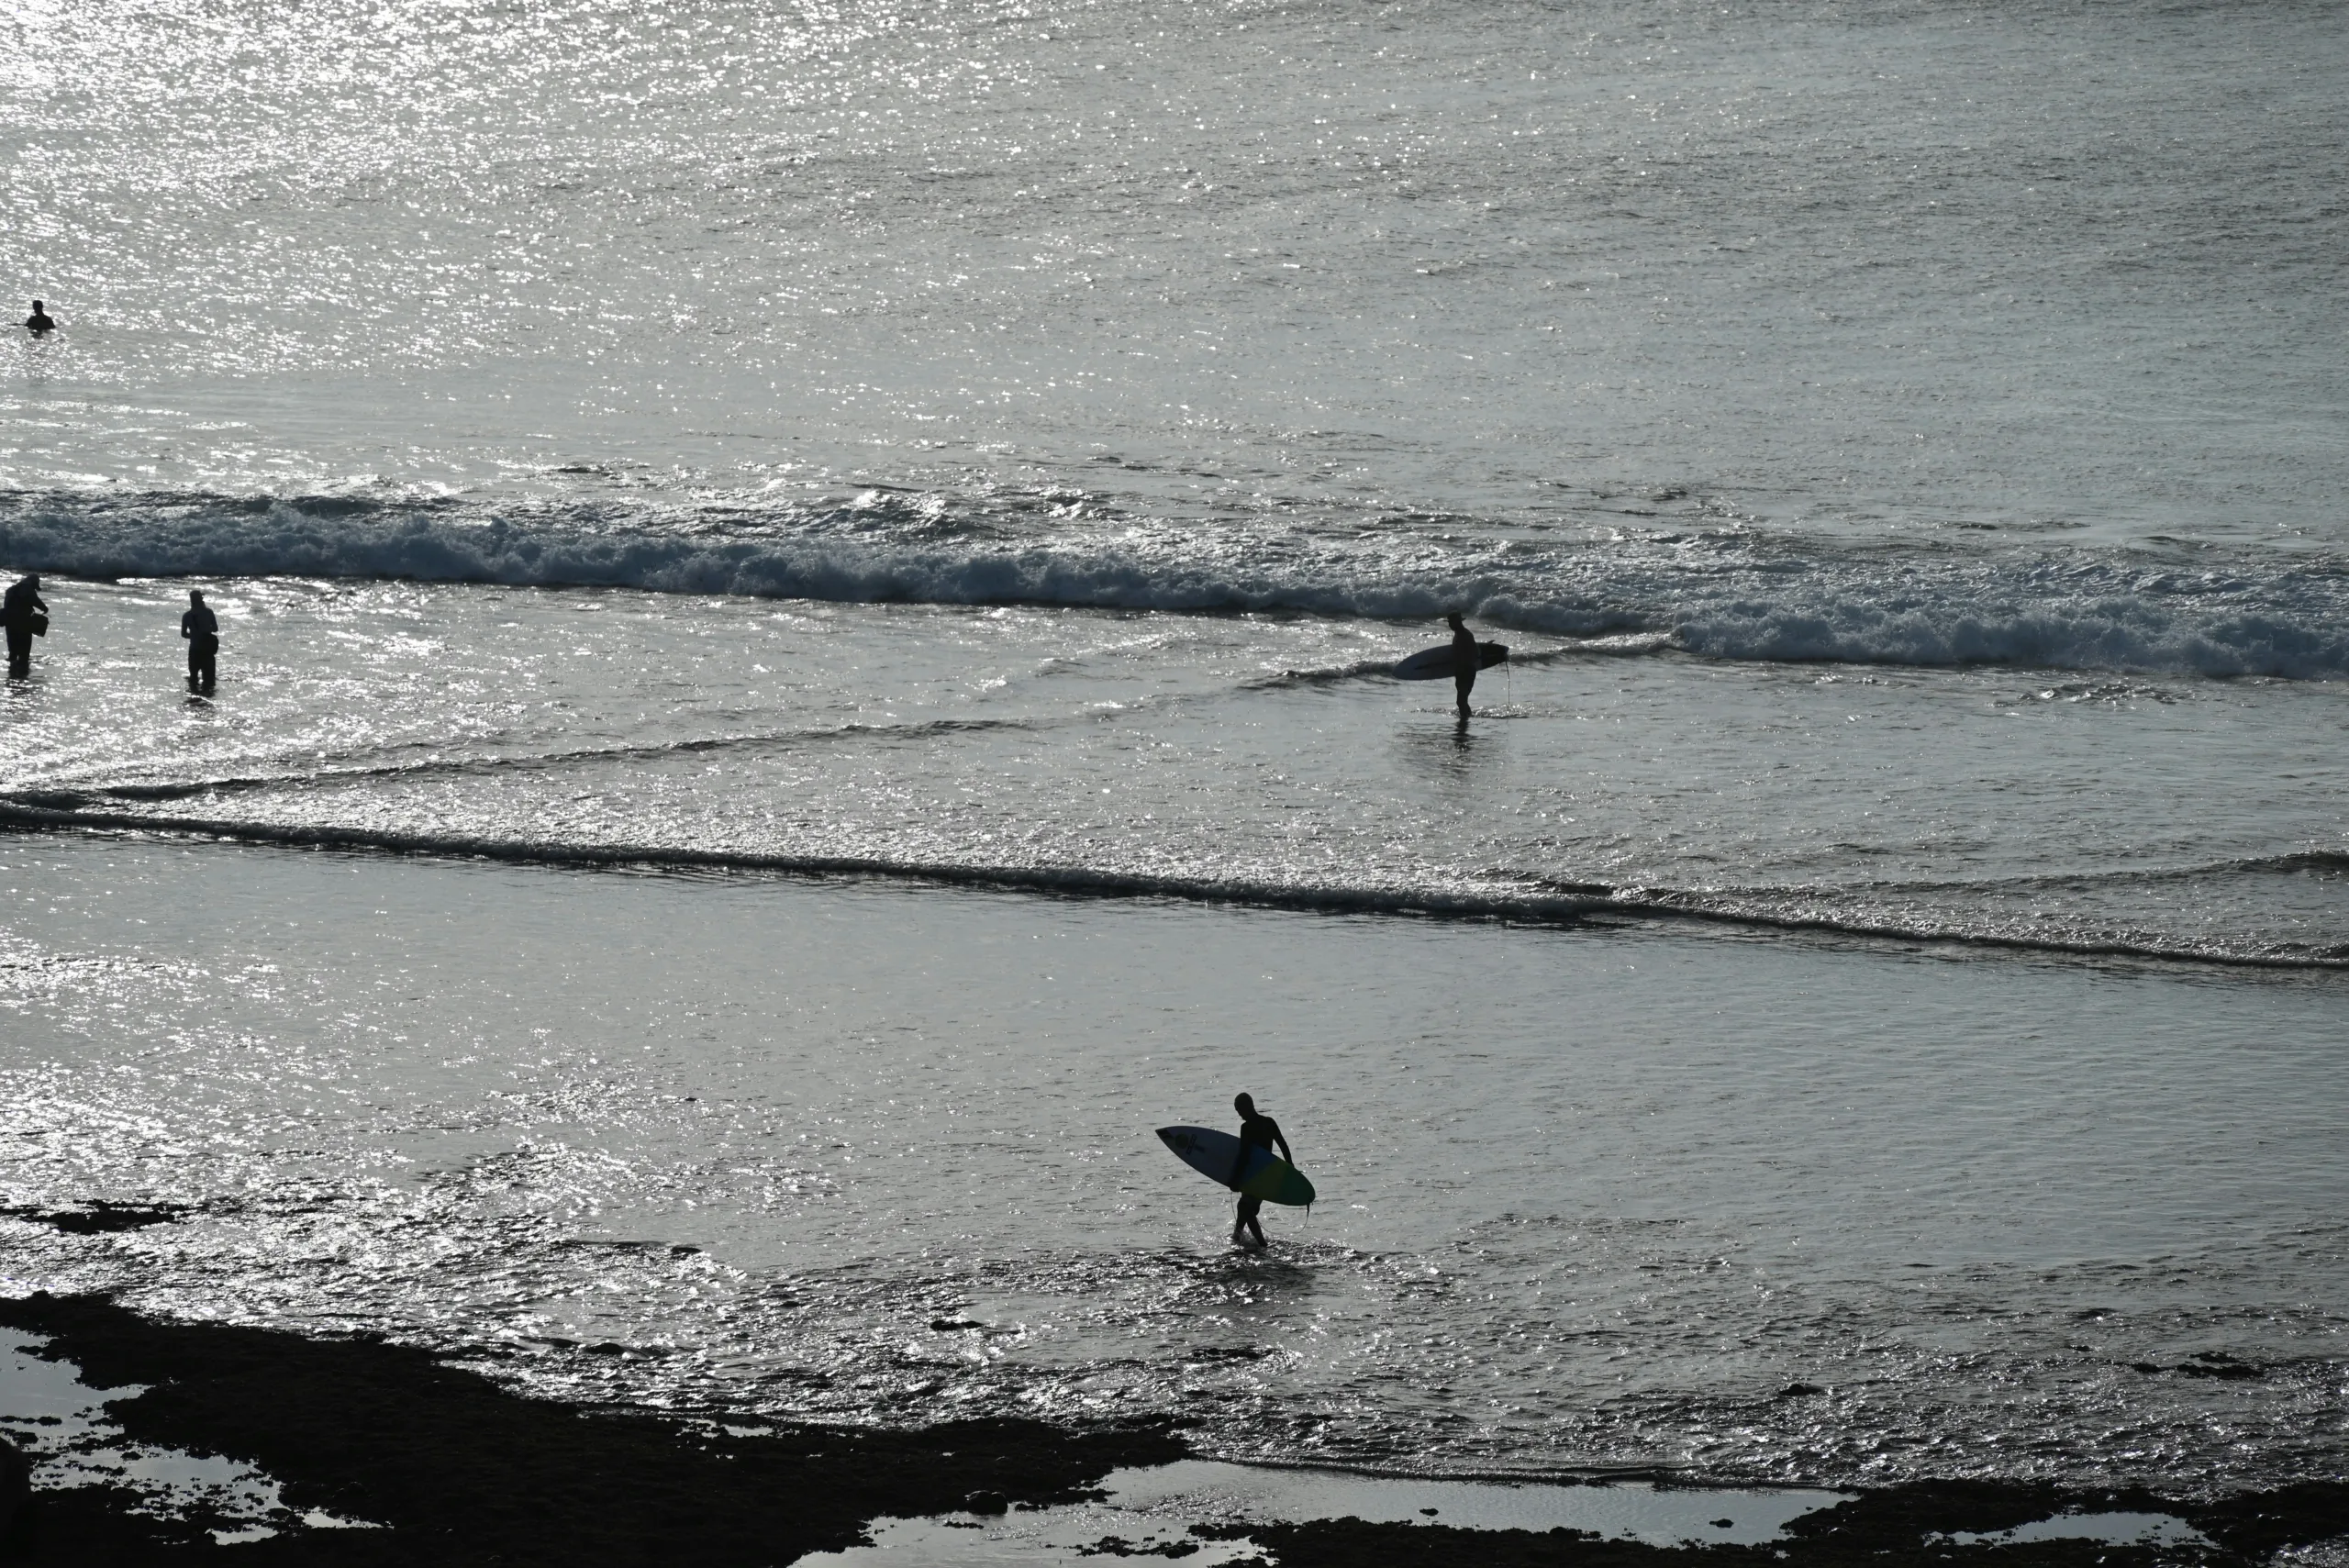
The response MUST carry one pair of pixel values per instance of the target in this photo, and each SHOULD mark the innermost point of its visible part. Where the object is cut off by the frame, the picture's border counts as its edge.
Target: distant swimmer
(39, 323)
(1465, 657)
(1255, 1132)
(201, 629)
(26, 616)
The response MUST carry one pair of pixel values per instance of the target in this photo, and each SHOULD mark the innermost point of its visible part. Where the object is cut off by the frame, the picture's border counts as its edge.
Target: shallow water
(1765, 1211)
(2184, 817)
(1157, 1507)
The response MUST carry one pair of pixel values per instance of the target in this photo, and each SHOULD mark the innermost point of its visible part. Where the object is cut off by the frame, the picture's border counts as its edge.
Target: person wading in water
(1255, 1132)
(201, 629)
(26, 615)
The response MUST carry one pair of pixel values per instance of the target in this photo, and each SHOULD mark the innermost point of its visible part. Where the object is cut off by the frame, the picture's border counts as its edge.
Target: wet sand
(450, 1468)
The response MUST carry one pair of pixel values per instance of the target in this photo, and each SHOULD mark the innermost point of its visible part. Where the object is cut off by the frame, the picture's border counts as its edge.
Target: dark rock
(463, 1474)
(99, 1218)
(986, 1503)
(1117, 1546)
(2215, 1364)
(2261, 1524)
(1902, 1517)
(16, 1486)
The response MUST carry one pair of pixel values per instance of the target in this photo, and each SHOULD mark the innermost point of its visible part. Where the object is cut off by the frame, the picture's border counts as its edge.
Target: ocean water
(1760, 1211)
(806, 595)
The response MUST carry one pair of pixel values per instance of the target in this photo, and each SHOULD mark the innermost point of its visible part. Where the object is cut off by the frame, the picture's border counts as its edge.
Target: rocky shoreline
(455, 1470)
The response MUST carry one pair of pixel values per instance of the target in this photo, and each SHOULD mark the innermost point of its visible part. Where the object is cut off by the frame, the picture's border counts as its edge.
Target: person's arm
(1284, 1143)
(185, 629)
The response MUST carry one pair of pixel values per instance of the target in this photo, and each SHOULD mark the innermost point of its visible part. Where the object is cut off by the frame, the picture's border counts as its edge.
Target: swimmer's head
(1244, 1105)
(195, 596)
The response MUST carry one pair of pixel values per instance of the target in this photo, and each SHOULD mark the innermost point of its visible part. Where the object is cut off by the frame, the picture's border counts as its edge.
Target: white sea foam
(1732, 595)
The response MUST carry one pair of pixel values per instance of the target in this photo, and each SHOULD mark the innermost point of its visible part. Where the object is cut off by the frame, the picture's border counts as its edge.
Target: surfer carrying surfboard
(1255, 1132)
(1465, 657)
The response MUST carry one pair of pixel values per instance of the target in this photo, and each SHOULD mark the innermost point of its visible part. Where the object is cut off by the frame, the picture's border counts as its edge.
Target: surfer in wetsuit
(1255, 1132)
(1465, 657)
(201, 629)
(22, 611)
(39, 323)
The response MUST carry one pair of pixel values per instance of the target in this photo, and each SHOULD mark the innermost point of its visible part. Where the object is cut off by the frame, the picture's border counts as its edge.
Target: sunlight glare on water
(886, 1154)
(1856, 996)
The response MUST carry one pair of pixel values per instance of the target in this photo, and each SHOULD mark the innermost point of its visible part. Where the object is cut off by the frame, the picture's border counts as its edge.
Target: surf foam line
(1590, 904)
(2291, 863)
(65, 794)
(1728, 595)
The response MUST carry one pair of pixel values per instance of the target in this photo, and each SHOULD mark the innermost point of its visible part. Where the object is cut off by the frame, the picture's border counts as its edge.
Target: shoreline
(452, 1468)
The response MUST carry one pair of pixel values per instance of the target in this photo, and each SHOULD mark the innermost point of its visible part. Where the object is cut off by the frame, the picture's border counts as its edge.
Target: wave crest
(1731, 596)
(1530, 902)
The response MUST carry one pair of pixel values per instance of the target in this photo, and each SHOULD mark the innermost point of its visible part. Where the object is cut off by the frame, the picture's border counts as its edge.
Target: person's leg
(194, 664)
(1461, 685)
(208, 661)
(20, 654)
(1246, 1220)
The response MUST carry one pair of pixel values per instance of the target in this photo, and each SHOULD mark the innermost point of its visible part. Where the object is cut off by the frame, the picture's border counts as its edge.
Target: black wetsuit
(1256, 1131)
(1465, 657)
(39, 323)
(17, 608)
(201, 629)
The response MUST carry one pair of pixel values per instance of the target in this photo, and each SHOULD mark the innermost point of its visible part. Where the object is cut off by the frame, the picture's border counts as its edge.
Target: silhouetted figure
(1465, 657)
(1255, 1132)
(39, 323)
(201, 629)
(26, 616)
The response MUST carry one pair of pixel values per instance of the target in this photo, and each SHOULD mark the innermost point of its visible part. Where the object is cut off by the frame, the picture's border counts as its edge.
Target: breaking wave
(1730, 594)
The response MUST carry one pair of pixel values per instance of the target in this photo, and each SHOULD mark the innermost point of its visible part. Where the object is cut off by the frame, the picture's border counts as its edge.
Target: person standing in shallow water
(201, 629)
(39, 324)
(1465, 657)
(1255, 1132)
(25, 614)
